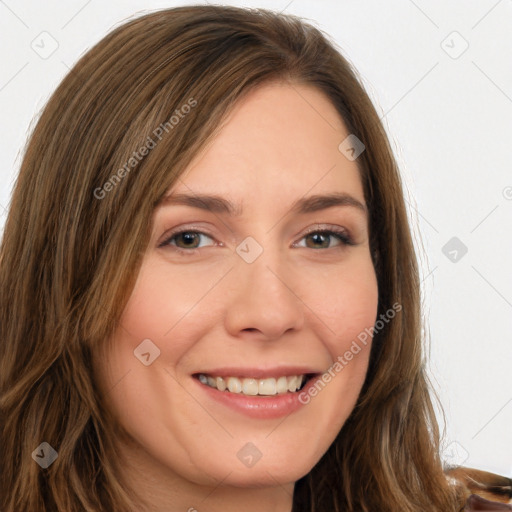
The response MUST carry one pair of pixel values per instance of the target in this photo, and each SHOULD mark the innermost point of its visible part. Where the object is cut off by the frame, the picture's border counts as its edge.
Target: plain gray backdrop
(440, 76)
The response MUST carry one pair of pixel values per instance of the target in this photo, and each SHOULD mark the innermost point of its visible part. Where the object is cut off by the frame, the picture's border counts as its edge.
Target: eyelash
(340, 234)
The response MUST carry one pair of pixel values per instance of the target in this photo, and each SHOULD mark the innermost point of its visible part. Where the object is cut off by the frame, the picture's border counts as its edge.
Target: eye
(321, 238)
(185, 240)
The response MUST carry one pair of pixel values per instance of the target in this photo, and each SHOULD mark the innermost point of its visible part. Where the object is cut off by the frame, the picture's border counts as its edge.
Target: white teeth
(267, 387)
(254, 387)
(250, 387)
(292, 384)
(234, 385)
(282, 385)
(221, 383)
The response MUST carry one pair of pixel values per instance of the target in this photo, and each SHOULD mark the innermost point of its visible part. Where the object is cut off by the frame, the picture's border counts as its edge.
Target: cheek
(344, 311)
(346, 304)
(165, 307)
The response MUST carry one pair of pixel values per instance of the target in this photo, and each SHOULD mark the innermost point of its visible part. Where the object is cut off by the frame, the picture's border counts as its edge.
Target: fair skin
(301, 302)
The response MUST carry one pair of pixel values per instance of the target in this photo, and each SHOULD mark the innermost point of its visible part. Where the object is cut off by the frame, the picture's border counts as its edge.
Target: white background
(449, 117)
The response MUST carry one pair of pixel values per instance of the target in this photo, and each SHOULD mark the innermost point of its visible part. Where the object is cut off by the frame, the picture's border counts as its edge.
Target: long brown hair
(78, 226)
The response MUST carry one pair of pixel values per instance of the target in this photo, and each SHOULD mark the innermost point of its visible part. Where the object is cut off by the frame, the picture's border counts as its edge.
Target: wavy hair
(69, 259)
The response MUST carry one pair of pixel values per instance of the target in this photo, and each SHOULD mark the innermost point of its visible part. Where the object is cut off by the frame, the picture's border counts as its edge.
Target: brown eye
(322, 239)
(186, 239)
(189, 238)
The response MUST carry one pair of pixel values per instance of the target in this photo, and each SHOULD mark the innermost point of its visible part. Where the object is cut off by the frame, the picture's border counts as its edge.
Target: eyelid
(341, 233)
(319, 227)
(185, 229)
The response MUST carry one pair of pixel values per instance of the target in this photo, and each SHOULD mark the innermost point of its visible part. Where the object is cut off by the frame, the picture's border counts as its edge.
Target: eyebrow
(217, 204)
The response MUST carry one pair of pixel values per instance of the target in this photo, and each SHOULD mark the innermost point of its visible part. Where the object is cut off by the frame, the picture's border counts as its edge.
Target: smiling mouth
(256, 387)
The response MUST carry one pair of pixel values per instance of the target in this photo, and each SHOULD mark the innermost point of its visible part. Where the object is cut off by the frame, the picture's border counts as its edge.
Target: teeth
(254, 387)
(292, 383)
(267, 387)
(220, 383)
(234, 385)
(282, 385)
(250, 387)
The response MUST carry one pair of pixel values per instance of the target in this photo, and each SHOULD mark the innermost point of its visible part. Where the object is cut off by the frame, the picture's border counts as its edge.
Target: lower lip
(263, 407)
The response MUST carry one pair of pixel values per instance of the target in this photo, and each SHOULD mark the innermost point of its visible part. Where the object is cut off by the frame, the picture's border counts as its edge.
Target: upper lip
(259, 373)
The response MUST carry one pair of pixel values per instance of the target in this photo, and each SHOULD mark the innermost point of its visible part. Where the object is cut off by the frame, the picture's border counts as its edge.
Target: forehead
(279, 139)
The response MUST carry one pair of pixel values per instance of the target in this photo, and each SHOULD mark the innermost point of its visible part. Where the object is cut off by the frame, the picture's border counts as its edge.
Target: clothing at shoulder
(487, 491)
(476, 503)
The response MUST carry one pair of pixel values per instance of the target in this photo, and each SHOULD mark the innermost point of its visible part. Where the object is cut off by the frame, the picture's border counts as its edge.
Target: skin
(302, 301)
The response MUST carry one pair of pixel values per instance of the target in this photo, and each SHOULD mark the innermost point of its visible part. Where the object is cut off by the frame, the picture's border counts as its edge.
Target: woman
(279, 366)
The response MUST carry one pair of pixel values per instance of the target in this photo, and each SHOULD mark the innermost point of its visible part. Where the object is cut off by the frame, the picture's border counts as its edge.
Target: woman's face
(261, 294)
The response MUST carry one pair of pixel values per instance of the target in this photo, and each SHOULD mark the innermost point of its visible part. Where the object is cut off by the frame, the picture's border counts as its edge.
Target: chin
(265, 476)
(280, 469)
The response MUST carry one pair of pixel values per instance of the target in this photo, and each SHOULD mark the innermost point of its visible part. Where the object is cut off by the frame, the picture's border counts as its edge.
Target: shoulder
(487, 491)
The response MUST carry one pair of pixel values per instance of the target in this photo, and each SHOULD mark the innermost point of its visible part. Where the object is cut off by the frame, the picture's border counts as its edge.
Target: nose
(263, 302)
